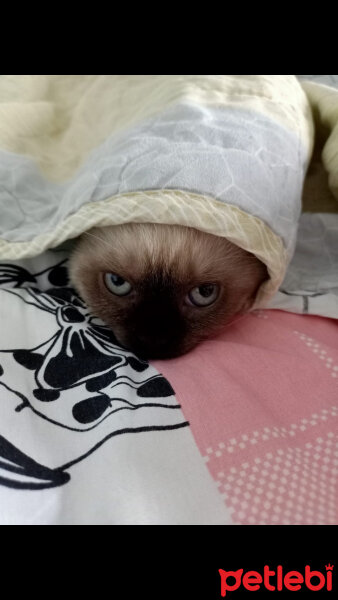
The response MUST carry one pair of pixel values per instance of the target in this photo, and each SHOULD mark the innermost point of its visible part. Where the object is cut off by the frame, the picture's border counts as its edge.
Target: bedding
(240, 430)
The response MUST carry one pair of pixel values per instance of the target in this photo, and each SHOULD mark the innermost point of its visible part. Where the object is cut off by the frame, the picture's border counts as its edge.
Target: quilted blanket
(237, 156)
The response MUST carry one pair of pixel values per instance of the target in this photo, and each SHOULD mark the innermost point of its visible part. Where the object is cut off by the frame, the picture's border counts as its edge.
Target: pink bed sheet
(262, 402)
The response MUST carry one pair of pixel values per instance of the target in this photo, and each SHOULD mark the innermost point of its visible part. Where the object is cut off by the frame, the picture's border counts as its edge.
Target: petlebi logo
(277, 579)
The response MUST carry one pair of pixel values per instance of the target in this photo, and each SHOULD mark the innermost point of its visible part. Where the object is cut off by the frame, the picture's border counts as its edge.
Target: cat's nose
(161, 345)
(157, 339)
(157, 328)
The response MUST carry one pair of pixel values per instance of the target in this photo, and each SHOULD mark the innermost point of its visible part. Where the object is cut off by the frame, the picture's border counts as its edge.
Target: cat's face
(163, 288)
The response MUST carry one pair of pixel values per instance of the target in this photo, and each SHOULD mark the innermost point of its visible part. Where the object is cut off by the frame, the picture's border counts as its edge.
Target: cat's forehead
(164, 266)
(160, 273)
(151, 275)
(160, 253)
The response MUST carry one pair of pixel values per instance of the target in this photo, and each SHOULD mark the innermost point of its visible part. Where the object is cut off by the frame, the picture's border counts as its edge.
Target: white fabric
(82, 438)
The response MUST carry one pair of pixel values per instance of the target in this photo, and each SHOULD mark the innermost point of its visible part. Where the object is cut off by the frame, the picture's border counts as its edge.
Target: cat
(162, 289)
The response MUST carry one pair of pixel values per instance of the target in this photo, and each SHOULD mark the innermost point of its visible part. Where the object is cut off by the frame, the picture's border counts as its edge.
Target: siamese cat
(162, 289)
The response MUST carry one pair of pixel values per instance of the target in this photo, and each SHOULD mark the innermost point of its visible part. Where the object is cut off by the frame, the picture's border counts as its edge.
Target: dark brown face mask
(156, 333)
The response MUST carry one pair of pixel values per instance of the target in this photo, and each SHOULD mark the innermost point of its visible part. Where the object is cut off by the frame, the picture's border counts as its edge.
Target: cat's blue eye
(116, 284)
(203, 295)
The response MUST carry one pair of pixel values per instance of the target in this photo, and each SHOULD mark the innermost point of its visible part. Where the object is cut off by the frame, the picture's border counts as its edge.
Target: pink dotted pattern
(321, 353)
(295, 485)
(262, 401)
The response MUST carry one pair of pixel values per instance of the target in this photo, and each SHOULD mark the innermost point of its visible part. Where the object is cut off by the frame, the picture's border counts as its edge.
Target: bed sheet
(240, 430)
(262, 402)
